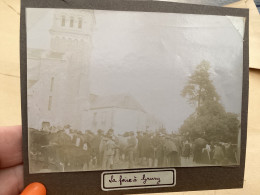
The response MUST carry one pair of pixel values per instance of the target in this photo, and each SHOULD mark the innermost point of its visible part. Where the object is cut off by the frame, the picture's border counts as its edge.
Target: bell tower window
(52, 82)
(71, 22)
(80, 23)
(63, 21)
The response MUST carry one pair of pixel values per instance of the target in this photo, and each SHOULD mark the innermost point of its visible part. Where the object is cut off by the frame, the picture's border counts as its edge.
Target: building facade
(120, 112)
(58, 86)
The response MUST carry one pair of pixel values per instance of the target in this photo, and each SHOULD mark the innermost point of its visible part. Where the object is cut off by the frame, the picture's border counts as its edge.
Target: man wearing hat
(108, 146)
(131, 142)
(96, 144)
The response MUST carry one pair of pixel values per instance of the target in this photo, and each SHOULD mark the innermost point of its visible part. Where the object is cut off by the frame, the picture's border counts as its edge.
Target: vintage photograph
(128, 90)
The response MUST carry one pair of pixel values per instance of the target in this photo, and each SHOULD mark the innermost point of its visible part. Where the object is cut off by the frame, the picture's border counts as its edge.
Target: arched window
(63, 21)
(80, 23)
(71, 22)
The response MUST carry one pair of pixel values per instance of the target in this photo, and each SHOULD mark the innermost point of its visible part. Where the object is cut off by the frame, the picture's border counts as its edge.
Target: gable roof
(124, 101)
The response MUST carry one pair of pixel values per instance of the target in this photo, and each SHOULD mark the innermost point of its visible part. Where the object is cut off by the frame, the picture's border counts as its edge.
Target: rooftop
(125, 101)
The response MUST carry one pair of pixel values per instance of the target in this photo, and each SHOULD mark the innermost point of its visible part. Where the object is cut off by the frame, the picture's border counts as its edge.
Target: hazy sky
(151, 55)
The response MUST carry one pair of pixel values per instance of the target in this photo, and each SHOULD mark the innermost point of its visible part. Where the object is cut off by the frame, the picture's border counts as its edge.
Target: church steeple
(71, 30)
(71, 33)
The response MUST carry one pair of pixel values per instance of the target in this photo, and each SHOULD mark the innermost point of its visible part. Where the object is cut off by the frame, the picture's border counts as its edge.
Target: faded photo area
(127, 90)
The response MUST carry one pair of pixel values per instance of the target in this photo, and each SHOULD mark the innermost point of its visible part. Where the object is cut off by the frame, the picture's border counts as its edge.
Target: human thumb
(34, 189)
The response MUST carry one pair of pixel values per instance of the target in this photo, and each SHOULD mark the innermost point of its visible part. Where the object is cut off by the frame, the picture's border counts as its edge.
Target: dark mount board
(188, 179)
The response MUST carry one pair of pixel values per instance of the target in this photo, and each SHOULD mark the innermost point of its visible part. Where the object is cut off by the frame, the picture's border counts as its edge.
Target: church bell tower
(71, 34)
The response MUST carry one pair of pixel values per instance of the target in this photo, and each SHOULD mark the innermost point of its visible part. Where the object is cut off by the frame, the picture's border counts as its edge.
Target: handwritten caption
(138, 179)
(124, 179)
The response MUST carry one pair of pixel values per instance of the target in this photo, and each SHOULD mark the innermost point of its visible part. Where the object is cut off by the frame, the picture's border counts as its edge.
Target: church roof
(124, 101)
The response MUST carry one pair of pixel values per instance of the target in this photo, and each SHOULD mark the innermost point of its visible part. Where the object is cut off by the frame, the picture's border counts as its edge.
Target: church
(58, 91)
(57, 79)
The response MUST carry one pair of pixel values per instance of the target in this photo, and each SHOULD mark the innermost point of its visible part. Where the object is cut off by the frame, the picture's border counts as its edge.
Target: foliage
(209, 120)
(199, 87)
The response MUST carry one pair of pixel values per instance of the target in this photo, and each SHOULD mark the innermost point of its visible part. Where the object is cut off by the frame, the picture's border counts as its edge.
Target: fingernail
(34, 189)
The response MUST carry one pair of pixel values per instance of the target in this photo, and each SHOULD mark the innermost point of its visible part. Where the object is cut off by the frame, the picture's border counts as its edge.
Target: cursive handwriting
(145, 179)
(122, 179)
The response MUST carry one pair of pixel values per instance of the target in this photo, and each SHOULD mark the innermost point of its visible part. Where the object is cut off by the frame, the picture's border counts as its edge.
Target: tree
(209, 120)
(199, 87)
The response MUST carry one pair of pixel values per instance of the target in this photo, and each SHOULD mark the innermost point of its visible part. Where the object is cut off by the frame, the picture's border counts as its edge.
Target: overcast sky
(151, 55)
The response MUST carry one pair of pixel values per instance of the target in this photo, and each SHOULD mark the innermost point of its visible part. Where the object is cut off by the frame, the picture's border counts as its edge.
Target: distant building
(120, 112)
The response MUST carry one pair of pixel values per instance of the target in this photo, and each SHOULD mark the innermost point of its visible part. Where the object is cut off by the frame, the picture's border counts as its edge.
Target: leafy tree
(199, 87)
(209, 120)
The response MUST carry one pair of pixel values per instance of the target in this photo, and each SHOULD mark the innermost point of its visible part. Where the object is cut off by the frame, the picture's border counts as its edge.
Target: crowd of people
(71, 150)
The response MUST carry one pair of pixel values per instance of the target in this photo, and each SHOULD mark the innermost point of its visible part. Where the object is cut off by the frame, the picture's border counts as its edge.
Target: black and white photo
(127, 90)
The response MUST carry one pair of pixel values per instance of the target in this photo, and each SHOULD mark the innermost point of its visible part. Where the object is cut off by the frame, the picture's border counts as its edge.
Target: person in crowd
(157, 144)
(177, 142)
(147, 150)
(108, 146)
(139, 138)
(131, 147)
(63, 144)
(160, 150)
(86, 150)
(218, 154)
(205, 156)
(211, 153)
(197, 153)
(97, 155)
(186, 150)
(229, 153)
(170, 152)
